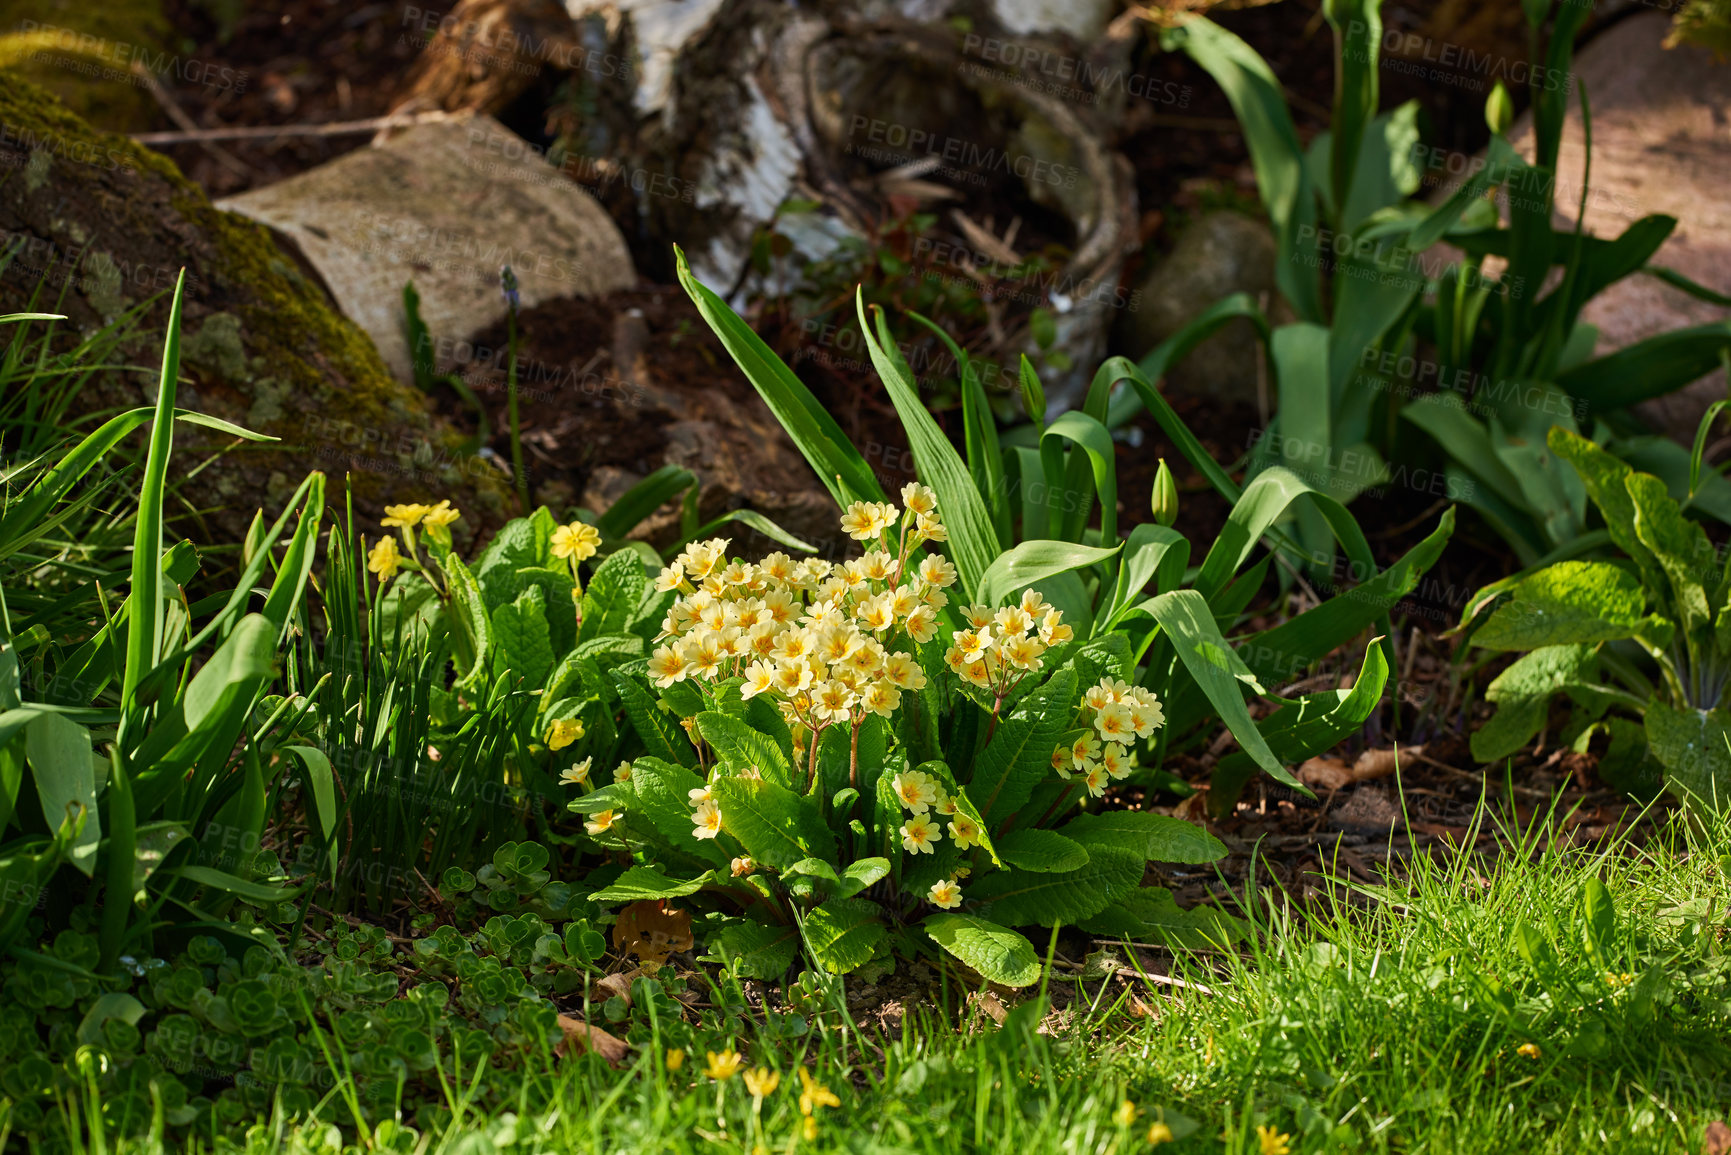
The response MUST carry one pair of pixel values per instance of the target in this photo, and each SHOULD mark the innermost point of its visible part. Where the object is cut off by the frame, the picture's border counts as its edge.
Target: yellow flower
(406, 516)
(602, 821)
(724, 1066)
(1125, 1114)
(441, 515)
(762, 1082)
(810, 1130)
(706, 819)
(945, 892)
(1273, 1142)
(384, 559)
(919, 833)
(814, 1094)
(576, 775)
(675, 1058)
(860, 520)
(1159, 1133)
(1528, 1051)
(576, 541)
(563, 732)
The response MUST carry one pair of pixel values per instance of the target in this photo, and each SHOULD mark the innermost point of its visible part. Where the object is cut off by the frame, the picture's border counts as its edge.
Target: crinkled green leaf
(641, 883)
(1027, 898)
(844, 932)
(1043, 851)
(1572, 602)
(999, 954)
(1155, 837)
(776, 826)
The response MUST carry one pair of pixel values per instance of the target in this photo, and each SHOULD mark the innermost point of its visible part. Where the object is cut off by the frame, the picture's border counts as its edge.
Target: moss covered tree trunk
(99, 226)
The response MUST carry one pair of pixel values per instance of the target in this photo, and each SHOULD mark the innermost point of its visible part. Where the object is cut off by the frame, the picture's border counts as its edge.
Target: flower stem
(517, 473)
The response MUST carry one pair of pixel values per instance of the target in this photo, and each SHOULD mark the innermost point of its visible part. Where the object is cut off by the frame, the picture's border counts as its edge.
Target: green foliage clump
(1478, 357)
(1641, 644)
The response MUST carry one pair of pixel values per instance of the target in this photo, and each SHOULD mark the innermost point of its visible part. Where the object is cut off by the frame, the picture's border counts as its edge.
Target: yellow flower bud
(1165, 500)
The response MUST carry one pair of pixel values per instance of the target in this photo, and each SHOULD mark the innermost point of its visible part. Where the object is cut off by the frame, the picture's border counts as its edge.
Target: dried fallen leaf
(580, 1036)
(617, 986)
(994, 1009)
(1325, 774)
(652, 931)
(1381, 763)
(1717, 1140)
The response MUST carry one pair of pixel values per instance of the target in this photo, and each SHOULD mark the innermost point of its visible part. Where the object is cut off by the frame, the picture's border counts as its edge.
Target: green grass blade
(643, 499)
(985, 455)
(1275, 154)
(1649, 368)
(972, 538)
(838, 464)
(1217, 670)
(1357, 28)
(1093, 448)
(144, 634)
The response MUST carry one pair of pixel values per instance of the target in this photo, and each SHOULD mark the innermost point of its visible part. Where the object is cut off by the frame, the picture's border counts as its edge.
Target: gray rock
(1660, 145)
(1223, 252)
(444, 204)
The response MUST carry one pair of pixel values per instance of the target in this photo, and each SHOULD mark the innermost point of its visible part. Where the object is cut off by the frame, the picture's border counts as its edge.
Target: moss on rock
(83, 51)
(110, 228)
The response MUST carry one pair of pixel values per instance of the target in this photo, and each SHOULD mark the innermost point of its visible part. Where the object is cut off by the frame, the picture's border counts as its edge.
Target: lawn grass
(1467, 1007)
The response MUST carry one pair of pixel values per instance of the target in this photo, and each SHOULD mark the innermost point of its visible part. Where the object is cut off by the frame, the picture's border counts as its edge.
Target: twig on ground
(178, 114)
(272, 131)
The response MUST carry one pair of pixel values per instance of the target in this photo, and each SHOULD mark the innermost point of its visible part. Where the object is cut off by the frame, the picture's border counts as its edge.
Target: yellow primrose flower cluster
(385, 559)
(923, 796)
(1121, 713)
(816, 637)
(1000, 647)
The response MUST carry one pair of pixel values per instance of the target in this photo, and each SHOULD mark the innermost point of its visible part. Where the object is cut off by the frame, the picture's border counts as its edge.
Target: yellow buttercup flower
(442, 515)
(576, 541)
(814, 1094)
(675, 1058)
(1528, 1051)
(724, 1066)
(762, 1082)
(1125, 1114)
(1159, 1133)
(404, 516)
(1273, 1142)
(563, 732)
(384, 559)
(810, 1129)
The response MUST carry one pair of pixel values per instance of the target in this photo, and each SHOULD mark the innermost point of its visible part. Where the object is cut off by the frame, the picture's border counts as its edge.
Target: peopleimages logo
(1410, 52)
(1025, 61)
(886, 140)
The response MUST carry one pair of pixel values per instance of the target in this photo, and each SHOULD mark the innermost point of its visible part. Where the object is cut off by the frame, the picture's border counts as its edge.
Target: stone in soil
(445, 205)
(1224, 252)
